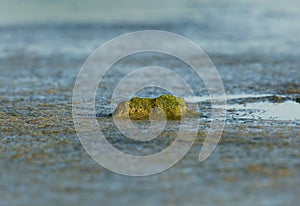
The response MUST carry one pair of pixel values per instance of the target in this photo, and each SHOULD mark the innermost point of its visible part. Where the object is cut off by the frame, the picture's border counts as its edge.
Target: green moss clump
(174, 107)
(139, 108)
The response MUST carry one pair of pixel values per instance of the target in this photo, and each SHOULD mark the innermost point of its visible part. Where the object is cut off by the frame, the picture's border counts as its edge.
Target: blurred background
(255, 45)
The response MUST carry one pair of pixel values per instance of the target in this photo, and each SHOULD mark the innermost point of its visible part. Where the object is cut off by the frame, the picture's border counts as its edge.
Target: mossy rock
(174, 108)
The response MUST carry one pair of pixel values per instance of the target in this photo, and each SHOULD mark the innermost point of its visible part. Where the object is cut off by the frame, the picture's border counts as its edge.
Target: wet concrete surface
(256, 162)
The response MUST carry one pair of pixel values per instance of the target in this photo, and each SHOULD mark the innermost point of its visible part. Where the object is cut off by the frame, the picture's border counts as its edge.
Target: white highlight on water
(288, 110)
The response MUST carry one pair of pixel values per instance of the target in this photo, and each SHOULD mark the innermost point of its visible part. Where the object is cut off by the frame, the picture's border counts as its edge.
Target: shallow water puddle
(288, 110)
(231, 97)
(258, 108)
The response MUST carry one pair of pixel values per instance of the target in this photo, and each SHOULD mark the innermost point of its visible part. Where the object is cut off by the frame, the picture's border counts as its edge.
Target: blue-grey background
(255, 46)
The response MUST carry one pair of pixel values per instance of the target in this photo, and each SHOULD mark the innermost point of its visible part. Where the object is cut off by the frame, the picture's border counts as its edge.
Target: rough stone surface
(140, 108)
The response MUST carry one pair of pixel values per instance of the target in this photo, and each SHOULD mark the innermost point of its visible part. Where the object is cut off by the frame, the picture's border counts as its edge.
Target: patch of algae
(138, 108)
